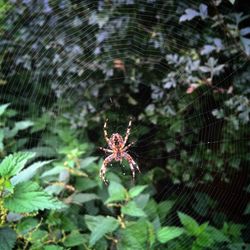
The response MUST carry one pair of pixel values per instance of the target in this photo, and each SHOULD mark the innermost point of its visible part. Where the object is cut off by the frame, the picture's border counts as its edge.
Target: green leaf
(53, 171)
(82, 198)
(116, 192)
(1, 139)
(134, 191)
(46, 152)
(166, 234)
(8, 186)
(7, 238)
(29, 197)
(205, 240)
(87, 161)
(131, 209)
(176, 126)
(137, 235)
(3, 107)
(232, 229)
(189, 223)
(99, 226)
(203, 204)
(247, 210)
(74, 239)
(151, 209)
(217, 235)
(83, 185)
(26, 225)
(28, 173)
(23, 125)
(232, 1)
(38, 236)
(246, 44)
(142, 200)
(164, 208)
(203, 227)
(170, 146)
(14, 163)
(52, 247)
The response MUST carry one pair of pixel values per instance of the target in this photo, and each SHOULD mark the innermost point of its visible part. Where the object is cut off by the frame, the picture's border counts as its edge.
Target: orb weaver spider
(118, 150)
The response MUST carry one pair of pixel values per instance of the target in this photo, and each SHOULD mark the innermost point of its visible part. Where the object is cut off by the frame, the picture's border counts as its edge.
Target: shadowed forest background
(179, 69)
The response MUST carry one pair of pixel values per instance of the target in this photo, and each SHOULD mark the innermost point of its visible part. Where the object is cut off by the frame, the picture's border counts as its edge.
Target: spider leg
(132, 164)
(128, 131)
(105, 131)
(103, 169)
(106, 150)
(129, 145)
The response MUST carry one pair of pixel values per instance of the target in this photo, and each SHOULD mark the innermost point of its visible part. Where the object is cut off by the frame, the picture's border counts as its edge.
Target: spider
(118, 150)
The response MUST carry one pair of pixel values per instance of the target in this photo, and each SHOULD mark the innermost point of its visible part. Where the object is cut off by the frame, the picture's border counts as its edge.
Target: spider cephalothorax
(118, 150)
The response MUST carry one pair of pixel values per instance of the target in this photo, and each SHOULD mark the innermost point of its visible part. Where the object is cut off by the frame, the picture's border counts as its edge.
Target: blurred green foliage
(180, 69)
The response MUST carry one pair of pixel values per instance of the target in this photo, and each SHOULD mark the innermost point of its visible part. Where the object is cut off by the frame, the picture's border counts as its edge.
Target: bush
(180, 69)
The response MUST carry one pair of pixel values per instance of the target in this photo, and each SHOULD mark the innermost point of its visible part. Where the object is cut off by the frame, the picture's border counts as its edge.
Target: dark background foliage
(180, 69)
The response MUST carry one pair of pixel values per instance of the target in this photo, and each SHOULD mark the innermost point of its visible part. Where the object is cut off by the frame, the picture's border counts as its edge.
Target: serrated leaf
(99, 226)
(203, 227)
(29, 197)
(189, 223)
(134, 191)
(38, 236)
(28, 173)
(131, 209)
(137, 235)
(217, 235)
(205, 240)
(74, 239)
(116, 192)
(84, 197)
(14, 163)
(166, 234)
(3, 107)
(8, 186)
(7, 238)
(26, 225)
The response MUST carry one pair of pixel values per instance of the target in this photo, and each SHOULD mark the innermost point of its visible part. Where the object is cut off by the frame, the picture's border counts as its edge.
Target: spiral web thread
(122, 50)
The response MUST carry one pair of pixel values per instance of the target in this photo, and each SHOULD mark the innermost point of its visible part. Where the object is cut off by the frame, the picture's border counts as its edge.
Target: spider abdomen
(118, 155)
(116, 141)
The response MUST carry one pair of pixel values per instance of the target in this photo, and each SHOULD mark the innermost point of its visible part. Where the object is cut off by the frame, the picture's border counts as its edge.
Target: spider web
(145, 149)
